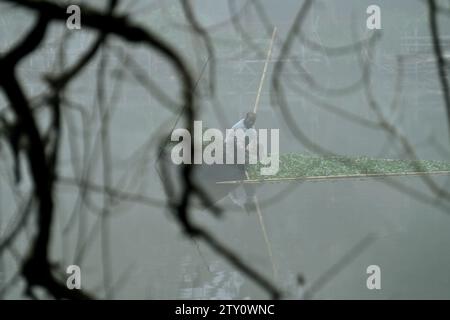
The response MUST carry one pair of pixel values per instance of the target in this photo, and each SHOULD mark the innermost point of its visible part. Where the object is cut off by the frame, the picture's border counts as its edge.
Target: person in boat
(246, 123)
(243, 195)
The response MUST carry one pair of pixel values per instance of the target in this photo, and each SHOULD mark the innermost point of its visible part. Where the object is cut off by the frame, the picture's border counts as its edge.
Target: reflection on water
(219, 283)
(313, 229)
(222, 283)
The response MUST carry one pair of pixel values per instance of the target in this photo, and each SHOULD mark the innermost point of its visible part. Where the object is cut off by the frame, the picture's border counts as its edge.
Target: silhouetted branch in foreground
(37, 269)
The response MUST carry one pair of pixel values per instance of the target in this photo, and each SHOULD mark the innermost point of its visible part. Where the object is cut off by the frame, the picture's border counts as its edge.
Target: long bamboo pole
(255, 198)
(261, 82)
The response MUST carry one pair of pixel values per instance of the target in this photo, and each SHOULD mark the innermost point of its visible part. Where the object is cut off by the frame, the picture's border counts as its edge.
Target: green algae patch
(300, 166)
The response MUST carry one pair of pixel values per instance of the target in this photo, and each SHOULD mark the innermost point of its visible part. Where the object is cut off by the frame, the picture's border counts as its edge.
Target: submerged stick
(266, 237)
(264, 232)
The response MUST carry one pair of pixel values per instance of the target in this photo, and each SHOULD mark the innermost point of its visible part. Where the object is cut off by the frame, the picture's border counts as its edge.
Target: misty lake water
(311, 226)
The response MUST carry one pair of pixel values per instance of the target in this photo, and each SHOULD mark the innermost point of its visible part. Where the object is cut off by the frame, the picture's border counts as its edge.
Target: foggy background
(311, 228)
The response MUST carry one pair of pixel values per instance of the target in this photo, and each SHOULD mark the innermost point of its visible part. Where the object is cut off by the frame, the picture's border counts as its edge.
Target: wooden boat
(300, 167)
